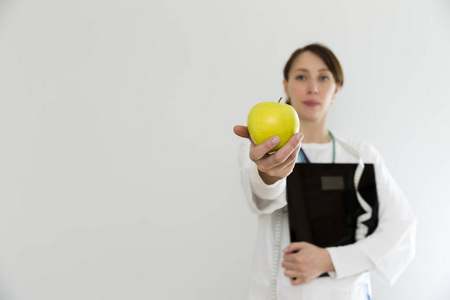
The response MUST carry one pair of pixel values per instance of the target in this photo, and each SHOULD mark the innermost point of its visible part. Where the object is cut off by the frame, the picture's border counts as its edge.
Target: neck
(315, 133)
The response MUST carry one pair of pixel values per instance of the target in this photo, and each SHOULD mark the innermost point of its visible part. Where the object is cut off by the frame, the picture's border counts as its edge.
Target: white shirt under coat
(387, 252)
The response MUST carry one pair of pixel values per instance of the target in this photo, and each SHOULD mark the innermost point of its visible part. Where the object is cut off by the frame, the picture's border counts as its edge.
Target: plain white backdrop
(118, 163)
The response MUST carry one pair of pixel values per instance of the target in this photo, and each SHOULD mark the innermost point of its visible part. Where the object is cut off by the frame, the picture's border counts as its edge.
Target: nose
(313, 88)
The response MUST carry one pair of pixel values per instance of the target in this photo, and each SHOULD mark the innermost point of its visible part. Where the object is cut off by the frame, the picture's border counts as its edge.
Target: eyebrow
(306, 70)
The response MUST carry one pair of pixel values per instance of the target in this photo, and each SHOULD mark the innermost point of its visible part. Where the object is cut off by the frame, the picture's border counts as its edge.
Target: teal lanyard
(305, 158)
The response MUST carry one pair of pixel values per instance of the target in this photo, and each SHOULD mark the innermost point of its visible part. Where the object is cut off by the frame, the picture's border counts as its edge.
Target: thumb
(241, 131)
(295, 247)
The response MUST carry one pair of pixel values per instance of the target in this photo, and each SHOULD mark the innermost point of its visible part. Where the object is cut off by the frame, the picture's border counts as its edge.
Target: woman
(285, 270)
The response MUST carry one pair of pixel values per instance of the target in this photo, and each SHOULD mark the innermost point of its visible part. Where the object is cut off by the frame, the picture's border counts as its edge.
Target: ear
(285, 88)
(335, 92)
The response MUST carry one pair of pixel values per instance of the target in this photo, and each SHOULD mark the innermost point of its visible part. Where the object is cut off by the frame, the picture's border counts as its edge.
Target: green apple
(267, 119)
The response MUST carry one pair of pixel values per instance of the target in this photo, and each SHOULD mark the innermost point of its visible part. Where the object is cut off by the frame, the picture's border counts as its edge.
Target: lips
(311, 103)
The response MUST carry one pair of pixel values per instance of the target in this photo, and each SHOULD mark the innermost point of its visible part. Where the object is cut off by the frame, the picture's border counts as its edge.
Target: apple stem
(280, 99)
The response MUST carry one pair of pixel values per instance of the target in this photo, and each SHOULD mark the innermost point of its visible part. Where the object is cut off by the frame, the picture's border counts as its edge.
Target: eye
(301, 77)
(324, 78)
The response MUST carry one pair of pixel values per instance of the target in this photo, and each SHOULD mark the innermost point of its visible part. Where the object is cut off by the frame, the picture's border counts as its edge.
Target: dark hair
(325, 54)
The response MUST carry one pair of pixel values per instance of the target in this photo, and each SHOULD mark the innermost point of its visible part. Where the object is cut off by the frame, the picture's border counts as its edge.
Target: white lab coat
(387, 252)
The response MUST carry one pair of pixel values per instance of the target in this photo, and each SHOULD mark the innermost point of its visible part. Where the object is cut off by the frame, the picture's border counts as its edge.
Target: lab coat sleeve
(261, 198)
(391, 248)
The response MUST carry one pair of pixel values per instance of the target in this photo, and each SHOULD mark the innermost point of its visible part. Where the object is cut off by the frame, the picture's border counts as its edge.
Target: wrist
(328, 263)
(268, 179)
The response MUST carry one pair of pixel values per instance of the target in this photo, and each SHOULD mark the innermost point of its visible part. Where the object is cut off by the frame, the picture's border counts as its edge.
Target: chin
(309, 117)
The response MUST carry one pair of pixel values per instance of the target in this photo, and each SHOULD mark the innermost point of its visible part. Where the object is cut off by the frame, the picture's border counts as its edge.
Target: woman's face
(310, 86)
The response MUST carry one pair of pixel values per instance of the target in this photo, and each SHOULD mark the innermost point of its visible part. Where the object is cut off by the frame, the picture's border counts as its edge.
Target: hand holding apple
(267, 119)
(277, 165)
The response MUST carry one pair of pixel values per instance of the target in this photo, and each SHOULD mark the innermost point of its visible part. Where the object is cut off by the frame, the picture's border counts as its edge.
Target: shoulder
(366, 151)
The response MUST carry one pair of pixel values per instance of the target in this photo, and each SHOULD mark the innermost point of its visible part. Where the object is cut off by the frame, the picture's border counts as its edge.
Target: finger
(288, 265)
(261, 150)
(241, 131)
(277, 162)
(295, 247)
(292, 258)
(290, 162)
(285, 156)
(283, 161)
(291, 273)
(286, 170)
(294, 281)
(294, 153)
(288, 148)
(297, 280)
(282, 170)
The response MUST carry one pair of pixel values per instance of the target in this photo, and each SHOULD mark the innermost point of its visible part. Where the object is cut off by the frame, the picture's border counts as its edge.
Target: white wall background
(118, 169)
